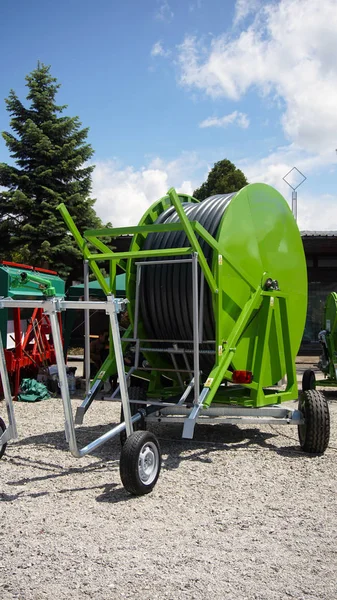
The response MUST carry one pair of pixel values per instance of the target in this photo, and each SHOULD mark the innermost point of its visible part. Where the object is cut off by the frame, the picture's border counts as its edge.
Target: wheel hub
(148, 463)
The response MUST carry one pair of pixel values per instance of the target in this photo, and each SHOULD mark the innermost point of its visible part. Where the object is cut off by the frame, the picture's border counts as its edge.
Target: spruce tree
(224, 178)
(50, 153)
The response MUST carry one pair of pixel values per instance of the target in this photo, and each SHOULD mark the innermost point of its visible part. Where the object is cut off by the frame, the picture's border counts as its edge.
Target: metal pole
(173, 358)
(195, 326)
(62, 375)
(135, 324)
(86, 328)
(201, 307)
(294, 204)
(69, 419)
(297, 173)
(120, 364)
(12, 431)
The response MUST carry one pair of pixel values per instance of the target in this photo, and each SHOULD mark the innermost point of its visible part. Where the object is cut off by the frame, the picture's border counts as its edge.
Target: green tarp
(32, 391)
(95, 290)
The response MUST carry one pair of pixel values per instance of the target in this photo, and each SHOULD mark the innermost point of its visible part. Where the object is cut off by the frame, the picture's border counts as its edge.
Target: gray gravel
(238, 513)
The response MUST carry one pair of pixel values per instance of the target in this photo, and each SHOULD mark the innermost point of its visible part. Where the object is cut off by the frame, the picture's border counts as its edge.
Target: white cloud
(316, 214)
(244, 8)
(287, 53)
(124, 193)
(239, 118)
(158, 50)
(164, 12)
(272, 168)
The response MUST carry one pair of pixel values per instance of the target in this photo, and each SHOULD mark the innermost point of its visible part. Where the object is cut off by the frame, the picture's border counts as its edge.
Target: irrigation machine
(216, 293)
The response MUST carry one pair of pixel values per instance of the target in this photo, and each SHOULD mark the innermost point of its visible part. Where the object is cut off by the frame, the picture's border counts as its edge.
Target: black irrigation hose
(166, 302)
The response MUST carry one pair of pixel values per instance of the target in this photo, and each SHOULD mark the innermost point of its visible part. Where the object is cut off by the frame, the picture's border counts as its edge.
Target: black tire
(2, 430)
(140, 463)
(314, 434)
(308, 380)
(135, 393)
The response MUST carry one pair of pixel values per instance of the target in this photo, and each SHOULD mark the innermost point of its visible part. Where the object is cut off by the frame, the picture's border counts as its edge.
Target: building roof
(318, 233)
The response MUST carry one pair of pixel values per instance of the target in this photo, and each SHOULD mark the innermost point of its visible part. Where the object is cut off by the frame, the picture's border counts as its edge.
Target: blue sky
(168, 88)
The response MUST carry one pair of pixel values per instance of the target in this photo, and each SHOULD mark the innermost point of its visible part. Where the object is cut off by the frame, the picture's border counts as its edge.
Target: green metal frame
(25, 277)
(330, 314)
(12, 286)
(273, 305)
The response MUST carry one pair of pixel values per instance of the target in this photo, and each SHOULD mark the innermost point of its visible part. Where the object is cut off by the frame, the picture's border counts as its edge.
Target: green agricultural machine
(328, 340)
(216, 293)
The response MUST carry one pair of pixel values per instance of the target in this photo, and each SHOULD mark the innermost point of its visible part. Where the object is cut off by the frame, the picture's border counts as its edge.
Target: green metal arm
(92, 235)
(192, 238)
(218, 373)
(140, 254)
(83, 247)
(114, 232)
(270, 302)
(43, 284)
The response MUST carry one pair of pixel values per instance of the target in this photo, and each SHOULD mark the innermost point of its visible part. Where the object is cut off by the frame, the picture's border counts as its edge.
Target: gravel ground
(239, 513)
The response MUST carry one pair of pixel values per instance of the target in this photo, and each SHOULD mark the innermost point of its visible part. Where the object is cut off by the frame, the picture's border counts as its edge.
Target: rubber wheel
(2, 430)
(308, 380)
(140, 463)
(314, 434)
(135, 393)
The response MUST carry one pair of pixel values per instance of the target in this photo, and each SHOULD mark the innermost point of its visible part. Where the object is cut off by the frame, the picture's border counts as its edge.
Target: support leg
(62, 374)
(120, 364)
(11, 431)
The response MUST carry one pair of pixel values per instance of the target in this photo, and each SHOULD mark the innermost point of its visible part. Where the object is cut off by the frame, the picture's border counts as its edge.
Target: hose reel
(259, 243)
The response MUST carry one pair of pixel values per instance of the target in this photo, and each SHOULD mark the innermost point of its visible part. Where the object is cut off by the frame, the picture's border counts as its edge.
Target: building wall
(321, 255)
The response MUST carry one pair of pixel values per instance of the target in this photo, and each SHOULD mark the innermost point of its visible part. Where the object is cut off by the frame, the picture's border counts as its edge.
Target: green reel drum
(257, 240)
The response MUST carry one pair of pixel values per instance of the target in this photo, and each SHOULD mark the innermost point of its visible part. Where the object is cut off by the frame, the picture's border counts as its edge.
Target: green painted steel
(145, 226)
(259, 235)
(257, 238)
(257, 278)
(330, 325)
(9, 274)
(28, 280)
(330, 317)
(11, 287)
(83, 247)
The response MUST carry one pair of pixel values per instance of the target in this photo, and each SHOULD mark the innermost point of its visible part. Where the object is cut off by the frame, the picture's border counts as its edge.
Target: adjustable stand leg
(62, 374)
(11, 431)
(120, 364)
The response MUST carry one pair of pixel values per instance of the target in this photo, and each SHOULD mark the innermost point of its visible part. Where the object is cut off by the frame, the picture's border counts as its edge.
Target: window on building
(327, 261)
(318, 292)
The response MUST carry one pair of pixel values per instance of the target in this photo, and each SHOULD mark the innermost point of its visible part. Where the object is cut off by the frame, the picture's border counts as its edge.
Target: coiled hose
(166, 303)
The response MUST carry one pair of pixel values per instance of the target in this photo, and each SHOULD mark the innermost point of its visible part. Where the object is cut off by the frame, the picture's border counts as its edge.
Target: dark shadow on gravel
(227, 437)
(10, 497)
(58, 470)
(207, 440)
(211, 438)
(113, 496)
(297, 452)
(84, 435)
(330, 395)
